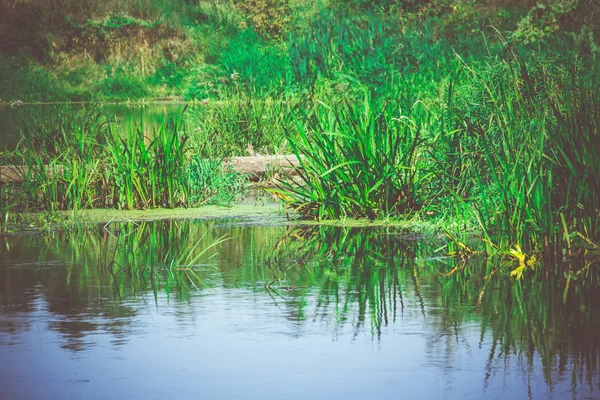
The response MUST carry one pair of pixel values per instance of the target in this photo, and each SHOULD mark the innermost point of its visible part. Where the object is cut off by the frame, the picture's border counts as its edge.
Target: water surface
(140, 311)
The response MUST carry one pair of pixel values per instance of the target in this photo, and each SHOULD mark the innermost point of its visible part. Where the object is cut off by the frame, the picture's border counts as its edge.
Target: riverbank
(91, 51)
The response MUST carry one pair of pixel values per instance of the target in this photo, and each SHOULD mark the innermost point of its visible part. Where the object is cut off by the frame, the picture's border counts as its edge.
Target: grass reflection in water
(374, 281)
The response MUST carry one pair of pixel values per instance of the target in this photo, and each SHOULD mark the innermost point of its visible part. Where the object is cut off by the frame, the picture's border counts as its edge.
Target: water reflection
(307, 297)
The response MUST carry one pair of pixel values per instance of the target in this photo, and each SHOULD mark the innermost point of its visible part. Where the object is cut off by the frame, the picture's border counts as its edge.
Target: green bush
(543, 19)
(204, 82)
(260, 66)
(270, 18)
(122, 85)
(211, 182)
(22, 79)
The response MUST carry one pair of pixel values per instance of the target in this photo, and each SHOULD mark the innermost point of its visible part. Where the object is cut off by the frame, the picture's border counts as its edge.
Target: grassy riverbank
(484, 113)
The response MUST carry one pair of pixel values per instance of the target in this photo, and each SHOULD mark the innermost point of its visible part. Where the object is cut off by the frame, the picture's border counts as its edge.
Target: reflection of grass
(348, 279)
(370, 276)
(147, 254)
(543, 319)
(135, 258)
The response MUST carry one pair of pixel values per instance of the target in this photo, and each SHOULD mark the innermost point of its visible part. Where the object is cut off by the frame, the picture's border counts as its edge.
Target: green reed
(356, 161)
(527, 140)
(59, 161)
(148, 168)
(80, 159)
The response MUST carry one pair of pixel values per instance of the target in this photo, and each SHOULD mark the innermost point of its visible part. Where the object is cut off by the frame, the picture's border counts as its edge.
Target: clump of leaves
(543, 19)
(212, 182)
(270, 18)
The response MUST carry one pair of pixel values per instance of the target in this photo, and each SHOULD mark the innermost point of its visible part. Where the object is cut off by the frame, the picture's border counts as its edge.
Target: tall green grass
(357, 161)
(148, 169)
(528, 133)
(212, 182)
(59, 161)
(79, 159)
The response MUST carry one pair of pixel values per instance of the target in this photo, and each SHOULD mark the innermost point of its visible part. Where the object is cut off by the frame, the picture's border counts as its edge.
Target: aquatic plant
(527, 152)
(356, 161)
(83, 160)
(146, 167)
(511, 153)
(212, 182)
(58, 160)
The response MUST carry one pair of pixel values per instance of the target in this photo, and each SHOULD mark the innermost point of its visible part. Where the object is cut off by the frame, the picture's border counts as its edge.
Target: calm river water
(151, 311)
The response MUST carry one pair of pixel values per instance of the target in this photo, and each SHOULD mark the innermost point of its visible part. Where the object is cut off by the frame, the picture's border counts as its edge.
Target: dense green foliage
(511, 148)
(142, 49)
(82, 160)
(529, 149)
(485, 111)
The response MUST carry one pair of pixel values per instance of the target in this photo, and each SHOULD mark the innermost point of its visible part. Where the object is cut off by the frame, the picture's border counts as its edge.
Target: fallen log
(256, 167)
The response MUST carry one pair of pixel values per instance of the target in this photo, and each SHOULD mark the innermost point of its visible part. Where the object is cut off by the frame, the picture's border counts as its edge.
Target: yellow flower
(520, 256)
(531, 262)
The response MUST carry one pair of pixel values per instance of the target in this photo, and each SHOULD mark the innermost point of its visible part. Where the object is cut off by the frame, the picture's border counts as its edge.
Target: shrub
(270, 18)
(122, 85)
(357, 161)
(211, 182)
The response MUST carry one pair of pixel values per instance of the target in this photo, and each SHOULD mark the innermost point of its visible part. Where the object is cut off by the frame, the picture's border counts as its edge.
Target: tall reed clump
(60, 161)
(148, 170)
(82, 160)
(529, 136)
(356, 161)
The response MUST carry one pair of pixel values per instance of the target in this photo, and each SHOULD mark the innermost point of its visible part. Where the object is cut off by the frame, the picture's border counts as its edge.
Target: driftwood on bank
(256, 167)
